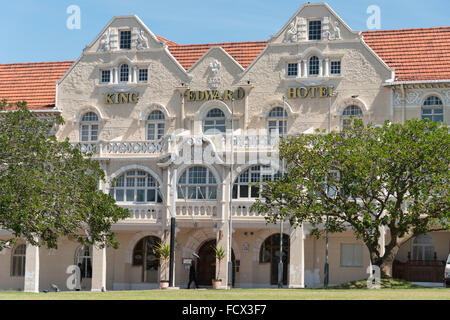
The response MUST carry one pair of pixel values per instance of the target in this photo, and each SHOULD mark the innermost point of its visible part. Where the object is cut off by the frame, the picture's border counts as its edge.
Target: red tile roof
(416, 54)
(32, 82)
(243, 52)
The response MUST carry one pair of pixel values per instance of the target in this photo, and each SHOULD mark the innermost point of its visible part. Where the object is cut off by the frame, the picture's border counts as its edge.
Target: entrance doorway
(270, 253)
(206, 265)
(144, 255)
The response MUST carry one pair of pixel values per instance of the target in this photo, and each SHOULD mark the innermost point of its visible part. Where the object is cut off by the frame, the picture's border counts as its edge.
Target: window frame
(146, 75)
(310, 31)
(103, 72)
(122, 40)
(18, 258)
(313, 67)
(427, 105)
(331, 68)
(353, 262)
(244, 180)
(212, 128)
(121, 73)
(91, 125)
(157, 124)
(123, 184)
(184, 189)
(350, 117)
(281, 121)
(288, 69)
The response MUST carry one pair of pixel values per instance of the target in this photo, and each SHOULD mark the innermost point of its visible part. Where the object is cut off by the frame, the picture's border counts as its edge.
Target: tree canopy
(366, 178)
(49, 188)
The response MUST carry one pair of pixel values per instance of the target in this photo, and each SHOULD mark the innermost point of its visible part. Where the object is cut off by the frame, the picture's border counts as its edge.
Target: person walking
(192, 275)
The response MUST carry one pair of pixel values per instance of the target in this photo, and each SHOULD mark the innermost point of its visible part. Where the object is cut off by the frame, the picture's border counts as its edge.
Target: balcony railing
(241, 209)
(148, 213)
(196, 209)
(122, 147)
(419, 270)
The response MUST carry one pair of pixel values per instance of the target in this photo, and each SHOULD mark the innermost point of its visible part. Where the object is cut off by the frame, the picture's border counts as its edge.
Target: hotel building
(139, 103)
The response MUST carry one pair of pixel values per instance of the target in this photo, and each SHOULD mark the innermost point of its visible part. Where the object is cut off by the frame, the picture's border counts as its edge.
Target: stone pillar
(305, 69)
(297, 258)
(327, 67)
(320, 68)
(31, 269)
(116, 75)
(98, 269)
(299, 69)
(222, 241)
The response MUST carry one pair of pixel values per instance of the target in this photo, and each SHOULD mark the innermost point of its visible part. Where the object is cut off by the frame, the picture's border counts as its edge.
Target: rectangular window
(106, 76)
(351, 255)
(143, 75)
(292, 70)
(335, 67)
(315, 30)
(125, 39)
(130, 195)
(119, 195)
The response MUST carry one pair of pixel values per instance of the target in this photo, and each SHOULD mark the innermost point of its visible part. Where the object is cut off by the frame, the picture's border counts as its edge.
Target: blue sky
(36, 30)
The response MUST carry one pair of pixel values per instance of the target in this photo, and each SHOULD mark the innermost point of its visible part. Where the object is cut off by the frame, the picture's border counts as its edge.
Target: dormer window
(125, 39)
(105, 76)
(313, 66)
(314, 30)
(124, 73)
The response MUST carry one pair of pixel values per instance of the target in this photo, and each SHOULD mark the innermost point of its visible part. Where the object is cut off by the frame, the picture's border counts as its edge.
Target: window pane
(243, 191)
(315, 30)
(140, 195)
(151, 195)
(125, 39)
(192, 193)
(212, 193)
(119, 195)
(130, 195)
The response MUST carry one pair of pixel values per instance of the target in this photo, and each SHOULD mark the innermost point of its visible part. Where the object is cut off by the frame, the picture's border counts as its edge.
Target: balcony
(198, 210)
(241, 210)
(119, 148)
(139, 213)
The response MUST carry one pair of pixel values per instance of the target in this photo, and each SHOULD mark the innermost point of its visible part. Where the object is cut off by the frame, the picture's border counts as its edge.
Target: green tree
(366, 178)
(49, 188)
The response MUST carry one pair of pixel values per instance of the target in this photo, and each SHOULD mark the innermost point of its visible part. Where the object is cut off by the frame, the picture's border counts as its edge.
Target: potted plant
(220, 255)
(163, 250)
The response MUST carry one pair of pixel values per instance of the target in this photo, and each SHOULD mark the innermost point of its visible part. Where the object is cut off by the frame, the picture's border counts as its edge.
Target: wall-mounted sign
(206, 95)
(311, 92)
(121, 98)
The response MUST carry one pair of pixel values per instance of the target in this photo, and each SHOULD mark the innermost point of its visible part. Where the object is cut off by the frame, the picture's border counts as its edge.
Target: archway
(144, 255)
(206, 264)
(270, 253)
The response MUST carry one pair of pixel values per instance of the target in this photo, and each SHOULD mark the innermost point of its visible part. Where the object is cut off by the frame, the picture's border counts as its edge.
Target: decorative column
(116, 75)
(327, 67)
(98, 269)
(305, 68)
(222, 241)
(299, 68)
(320, 67)
(135, 79)
(31, 269)
(297, 258)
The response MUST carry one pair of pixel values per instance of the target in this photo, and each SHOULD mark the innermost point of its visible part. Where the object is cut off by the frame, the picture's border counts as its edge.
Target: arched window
(423, 248)
(349, 114)
(89, 127)
(197, 183)
(313, 66)
(18, 261)
(145, 255)
(124, 73)
(214, 122)
(83, 259)
(270, 253)
(432, 109)
(277, 121)
(245, 185)
(155, 125)
(136, 186)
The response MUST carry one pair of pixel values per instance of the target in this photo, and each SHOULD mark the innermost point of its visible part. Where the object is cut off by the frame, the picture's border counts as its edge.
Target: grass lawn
(240, 294)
